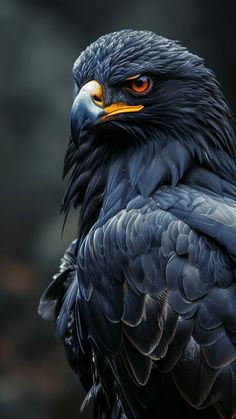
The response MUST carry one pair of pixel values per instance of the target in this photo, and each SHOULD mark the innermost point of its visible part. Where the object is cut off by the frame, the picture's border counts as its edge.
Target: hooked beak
(88, 109)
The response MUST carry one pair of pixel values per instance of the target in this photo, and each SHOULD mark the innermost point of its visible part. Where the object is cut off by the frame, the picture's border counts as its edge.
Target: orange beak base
(119, 108)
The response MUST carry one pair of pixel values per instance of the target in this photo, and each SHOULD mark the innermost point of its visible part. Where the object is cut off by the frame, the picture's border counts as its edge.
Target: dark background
(39, 42)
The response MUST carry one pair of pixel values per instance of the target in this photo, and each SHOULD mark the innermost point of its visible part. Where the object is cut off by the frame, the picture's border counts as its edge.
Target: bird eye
(139, 85)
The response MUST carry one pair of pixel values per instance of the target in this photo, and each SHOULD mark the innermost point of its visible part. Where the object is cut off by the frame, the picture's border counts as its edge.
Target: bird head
(137, 89)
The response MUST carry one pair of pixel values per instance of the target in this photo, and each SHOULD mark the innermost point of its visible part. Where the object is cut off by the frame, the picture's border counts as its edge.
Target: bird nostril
(98, 100)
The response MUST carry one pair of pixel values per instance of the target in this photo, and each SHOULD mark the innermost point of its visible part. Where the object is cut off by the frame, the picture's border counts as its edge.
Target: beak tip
(84, 114)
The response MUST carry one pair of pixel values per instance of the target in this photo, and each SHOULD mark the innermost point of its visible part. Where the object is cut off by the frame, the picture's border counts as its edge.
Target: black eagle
(145, 299)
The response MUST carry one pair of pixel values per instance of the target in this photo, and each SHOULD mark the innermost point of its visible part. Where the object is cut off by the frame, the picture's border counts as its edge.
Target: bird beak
(88, 109)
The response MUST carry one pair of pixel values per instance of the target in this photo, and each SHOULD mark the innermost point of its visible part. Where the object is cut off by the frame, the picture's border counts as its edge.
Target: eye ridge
(139, 86)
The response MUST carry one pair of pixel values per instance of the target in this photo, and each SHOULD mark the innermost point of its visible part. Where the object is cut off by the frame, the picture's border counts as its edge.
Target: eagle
(145, 298)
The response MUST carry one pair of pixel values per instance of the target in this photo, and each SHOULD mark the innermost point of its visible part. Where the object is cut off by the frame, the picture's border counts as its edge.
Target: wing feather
(158, 289)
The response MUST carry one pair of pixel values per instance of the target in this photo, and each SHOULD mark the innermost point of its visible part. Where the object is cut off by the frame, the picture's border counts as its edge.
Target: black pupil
(140, 81)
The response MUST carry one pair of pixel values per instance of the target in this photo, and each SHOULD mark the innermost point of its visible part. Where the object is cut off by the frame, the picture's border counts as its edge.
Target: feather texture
(144, 301)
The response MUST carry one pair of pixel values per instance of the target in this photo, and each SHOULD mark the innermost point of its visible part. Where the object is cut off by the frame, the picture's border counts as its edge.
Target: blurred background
(39, 41)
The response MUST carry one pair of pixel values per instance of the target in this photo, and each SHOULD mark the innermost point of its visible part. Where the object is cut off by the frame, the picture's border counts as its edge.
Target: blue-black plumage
(145, 299)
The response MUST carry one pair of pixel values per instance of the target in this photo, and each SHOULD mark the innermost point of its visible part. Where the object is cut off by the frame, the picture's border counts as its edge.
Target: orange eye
(141, 84)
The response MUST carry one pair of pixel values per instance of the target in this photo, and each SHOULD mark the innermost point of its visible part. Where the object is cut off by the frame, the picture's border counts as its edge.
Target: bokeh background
(39, 42)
